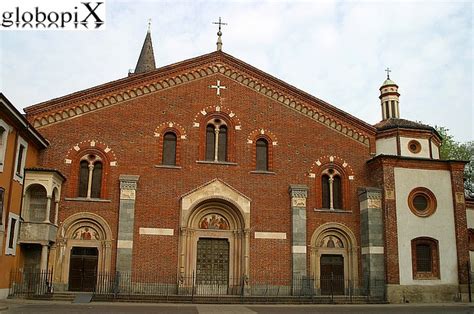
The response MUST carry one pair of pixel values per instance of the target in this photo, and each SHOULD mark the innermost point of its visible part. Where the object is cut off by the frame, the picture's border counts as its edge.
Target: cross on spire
(218, 87)
(219, 34)
(388, 73)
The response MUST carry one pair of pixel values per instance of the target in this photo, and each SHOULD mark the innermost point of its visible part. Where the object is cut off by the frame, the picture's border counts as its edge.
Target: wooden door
(332, 275)
(83, 269)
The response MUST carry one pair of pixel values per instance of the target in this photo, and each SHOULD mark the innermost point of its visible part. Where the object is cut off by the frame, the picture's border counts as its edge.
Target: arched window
(331, 189)
(262, 154)
(222, 144)
(37, 203)
(169, 149)
(470, 238)
(90, 176)
(216, 140)
(425, 258)
(83, 178)
(210, 141)
(96, 180)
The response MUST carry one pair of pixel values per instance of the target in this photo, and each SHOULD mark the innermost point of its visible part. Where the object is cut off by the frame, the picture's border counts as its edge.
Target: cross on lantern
(388, 72)
(218, 87)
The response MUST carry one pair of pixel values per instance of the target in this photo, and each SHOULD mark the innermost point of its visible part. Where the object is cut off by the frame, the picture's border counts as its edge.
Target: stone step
(220, 299)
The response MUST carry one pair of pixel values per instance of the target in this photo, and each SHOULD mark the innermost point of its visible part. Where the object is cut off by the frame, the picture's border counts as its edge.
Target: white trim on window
(3, 142)
(19, 175)
(11, 249)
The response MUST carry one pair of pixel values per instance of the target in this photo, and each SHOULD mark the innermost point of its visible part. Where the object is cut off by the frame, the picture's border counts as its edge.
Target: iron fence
(30, 283)
(112, 285)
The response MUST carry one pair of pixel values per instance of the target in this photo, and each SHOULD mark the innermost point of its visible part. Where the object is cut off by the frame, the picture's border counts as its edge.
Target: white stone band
(156, 231)
(124, 244)
(372, 250)
(270, 235)
(299, 249)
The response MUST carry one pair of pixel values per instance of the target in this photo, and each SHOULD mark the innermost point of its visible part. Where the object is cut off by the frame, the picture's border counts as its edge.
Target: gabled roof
(218, 62)
(21, 123)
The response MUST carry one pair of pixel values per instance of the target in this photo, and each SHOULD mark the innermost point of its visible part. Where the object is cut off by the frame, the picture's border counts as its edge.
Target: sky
(334, 50)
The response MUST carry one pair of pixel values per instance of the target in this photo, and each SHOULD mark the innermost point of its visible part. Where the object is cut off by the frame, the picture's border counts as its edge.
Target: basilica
(210, 171)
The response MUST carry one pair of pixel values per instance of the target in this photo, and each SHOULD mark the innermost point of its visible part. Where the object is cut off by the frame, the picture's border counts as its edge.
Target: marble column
(298, 194)
(372, 242)
(128, 187)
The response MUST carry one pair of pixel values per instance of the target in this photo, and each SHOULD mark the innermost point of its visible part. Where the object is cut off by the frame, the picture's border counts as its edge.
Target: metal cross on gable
(220, 23)
(218, 87)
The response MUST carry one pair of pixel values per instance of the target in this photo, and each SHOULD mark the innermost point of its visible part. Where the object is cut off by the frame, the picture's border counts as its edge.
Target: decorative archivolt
(216, 109)
(226, 70)
(160, 129)
(326, 160)
(85, 226)
(252, 137)
(94, 144)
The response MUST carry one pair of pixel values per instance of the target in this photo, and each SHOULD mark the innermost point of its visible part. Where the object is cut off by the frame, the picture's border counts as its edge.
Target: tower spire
(146, 60)
(219, 34)
(389, 98)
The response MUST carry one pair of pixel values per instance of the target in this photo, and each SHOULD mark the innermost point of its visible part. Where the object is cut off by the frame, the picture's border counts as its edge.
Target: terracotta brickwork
(124, 123)
(130, 129)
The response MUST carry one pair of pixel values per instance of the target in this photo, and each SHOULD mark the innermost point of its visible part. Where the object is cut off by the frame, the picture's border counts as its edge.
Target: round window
(422, 202)
(414, 146)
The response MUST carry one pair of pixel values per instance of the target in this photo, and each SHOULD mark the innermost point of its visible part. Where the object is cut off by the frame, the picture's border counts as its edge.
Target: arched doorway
(214, 239)
(214, 246)
(334, 264)
(83, 251)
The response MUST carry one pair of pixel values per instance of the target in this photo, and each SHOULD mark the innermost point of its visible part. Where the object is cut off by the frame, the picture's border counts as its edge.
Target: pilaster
(128, 188)
(298, 194)
(372, 241)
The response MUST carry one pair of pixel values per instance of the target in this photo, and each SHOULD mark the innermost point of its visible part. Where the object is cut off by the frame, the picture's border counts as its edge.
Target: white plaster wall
(439, 226)
(425, 147)
(470, 225)
(470, 218)
(386, 146)
(435, 151)
(471, 259)
(4, 293)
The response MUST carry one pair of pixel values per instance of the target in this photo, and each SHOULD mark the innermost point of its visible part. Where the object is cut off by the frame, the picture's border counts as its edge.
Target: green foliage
(453, 150)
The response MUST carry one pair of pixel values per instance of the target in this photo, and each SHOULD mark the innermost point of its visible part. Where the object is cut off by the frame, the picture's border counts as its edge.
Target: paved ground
(24, 306)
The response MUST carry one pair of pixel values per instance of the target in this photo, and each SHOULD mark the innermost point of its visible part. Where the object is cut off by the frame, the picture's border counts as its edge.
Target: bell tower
(389, 98)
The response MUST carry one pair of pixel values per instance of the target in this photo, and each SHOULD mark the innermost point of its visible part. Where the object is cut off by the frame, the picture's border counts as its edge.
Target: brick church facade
(210, 169)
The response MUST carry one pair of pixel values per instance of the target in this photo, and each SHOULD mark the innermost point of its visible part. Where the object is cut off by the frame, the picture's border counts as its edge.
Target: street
(22, 306)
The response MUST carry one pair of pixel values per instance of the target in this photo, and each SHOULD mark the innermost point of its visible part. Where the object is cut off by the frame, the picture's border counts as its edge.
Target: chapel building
(210, 171)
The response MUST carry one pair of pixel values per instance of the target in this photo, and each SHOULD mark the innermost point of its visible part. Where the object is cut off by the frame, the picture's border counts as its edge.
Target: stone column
(128, 187)
(48, 210)
(44, 258)
(372, 242)
(298, 194)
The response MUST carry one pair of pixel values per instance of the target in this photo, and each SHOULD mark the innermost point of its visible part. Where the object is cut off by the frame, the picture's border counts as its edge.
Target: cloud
(336, 51)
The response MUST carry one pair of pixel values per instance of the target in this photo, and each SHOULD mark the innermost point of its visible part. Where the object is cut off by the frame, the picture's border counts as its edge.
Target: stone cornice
(216, 63)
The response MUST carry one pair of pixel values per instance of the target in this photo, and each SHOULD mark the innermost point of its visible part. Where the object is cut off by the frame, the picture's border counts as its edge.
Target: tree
(451, 149)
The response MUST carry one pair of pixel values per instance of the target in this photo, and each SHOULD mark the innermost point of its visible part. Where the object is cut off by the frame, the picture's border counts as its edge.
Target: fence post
(192, 289)
(351, 289)
(332, 287)
(469, 280)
